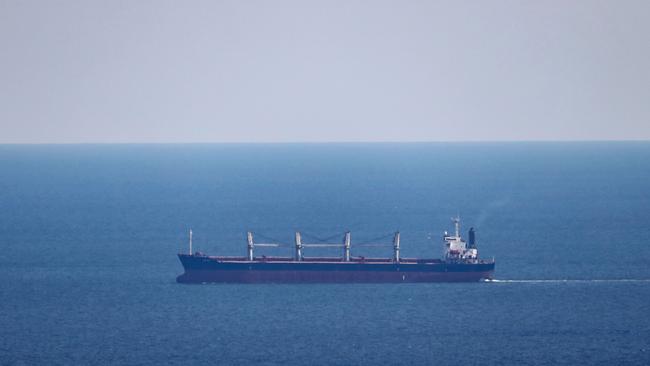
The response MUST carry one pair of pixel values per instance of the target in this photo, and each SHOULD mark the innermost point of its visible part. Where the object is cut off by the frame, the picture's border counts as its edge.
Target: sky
(322, 71)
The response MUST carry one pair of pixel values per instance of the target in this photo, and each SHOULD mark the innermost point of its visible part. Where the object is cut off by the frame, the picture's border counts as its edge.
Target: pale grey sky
(232, 71)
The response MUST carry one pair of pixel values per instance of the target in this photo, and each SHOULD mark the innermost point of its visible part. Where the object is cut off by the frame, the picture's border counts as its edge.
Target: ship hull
(209, 269)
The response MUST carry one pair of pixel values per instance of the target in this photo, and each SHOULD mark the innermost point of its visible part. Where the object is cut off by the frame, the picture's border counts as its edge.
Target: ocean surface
(89, 236)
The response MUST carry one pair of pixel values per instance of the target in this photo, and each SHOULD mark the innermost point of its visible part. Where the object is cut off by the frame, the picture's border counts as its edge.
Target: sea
(89, 236)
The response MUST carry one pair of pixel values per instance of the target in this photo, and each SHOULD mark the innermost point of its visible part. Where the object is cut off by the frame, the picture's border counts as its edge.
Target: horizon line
(326, 142)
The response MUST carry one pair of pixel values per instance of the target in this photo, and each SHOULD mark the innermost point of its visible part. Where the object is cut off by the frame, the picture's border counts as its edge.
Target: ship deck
(323, 260)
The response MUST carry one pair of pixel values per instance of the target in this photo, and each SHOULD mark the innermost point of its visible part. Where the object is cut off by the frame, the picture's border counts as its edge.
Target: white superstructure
(456, 249)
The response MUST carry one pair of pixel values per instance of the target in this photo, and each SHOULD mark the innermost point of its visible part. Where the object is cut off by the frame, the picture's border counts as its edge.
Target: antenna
(190, 241)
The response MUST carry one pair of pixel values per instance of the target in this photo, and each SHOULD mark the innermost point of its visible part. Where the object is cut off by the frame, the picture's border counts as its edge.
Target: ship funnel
(472, 238)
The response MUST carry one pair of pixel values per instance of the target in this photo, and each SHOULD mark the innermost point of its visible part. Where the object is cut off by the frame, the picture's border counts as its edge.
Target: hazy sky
(211, 71)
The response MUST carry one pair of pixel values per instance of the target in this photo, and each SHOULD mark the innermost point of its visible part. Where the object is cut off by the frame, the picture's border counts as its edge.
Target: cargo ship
(460, 263)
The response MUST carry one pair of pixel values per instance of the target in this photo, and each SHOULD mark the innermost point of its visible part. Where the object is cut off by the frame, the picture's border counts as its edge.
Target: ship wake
(616, 280)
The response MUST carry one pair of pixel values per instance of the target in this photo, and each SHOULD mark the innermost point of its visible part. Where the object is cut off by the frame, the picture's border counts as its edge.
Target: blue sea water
(89, 236)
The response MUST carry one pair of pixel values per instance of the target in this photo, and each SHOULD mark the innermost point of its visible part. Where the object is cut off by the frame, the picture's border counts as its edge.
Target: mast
(190, 241)
(250, 245)
(396, 246)
(456, 221)
(346, 247)
(298, 247)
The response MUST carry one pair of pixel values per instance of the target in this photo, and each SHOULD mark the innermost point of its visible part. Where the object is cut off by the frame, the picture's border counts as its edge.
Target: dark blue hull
(199, 269)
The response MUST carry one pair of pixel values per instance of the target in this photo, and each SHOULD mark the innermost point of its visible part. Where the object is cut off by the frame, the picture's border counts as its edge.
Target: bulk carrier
(460, 263)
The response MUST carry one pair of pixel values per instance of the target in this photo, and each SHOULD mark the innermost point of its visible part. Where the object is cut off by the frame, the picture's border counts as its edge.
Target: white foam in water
(568, 280)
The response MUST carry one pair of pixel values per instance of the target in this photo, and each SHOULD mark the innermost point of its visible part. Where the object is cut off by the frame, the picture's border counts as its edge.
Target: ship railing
(323, 245)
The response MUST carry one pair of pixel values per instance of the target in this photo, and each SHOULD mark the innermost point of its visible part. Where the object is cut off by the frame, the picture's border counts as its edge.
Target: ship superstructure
(456, 249)
(460, 263)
